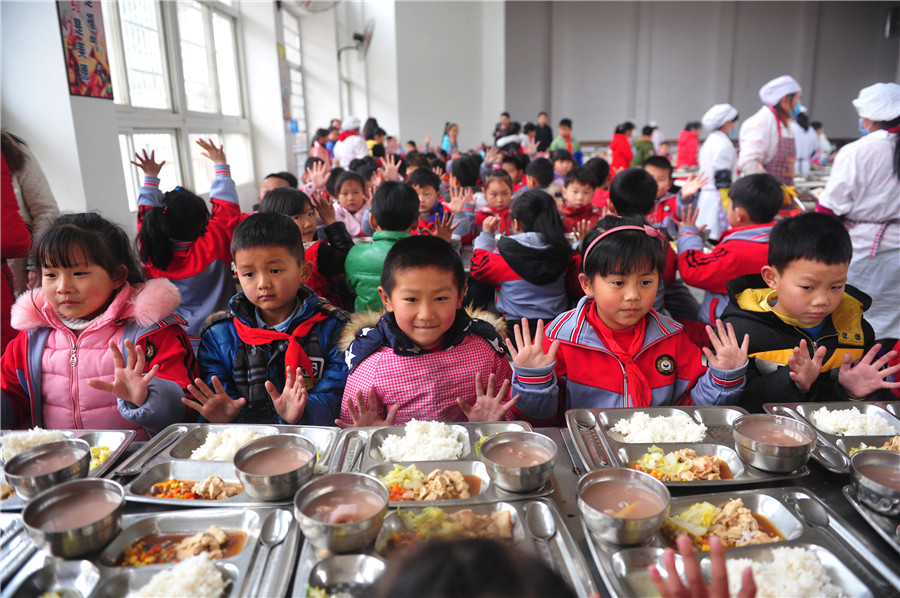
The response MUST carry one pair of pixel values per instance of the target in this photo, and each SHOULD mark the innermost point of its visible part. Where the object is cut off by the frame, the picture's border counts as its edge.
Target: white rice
(640, 427)
(16, 442)
(851, 422)
(424, 441)
(221, 446)
(794, 572)
(196, 577)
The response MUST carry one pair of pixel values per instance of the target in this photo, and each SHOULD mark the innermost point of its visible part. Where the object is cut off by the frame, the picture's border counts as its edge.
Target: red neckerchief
(893, 130)
(587, 211)
(346, 134)
(295, 355)
(639, 388)
(568, 141)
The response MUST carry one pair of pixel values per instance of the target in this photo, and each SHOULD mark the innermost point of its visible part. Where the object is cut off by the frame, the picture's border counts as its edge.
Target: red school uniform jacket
(572, 216)
(485, 212)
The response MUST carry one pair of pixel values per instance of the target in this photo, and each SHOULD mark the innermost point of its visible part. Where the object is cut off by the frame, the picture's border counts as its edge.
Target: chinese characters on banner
(84, 44)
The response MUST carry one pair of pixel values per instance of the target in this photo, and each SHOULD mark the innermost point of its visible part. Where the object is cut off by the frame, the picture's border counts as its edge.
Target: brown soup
(48, 462)
(623, 500)
(773, 434)
(518, 454)
(344, 506)
(76, 510)
(883, 474)
(276, 460)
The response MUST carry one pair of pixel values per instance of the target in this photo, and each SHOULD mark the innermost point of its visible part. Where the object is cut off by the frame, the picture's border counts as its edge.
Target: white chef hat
(653, 124)
(718, 115)
(351, 123)
(772, 92)
(879, 102)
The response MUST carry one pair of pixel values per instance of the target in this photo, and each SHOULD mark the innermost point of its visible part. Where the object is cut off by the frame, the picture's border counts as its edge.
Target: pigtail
(536, 211)
(154, 239)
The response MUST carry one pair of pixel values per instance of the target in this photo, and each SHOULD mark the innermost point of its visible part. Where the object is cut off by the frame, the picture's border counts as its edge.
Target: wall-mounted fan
(364, 39)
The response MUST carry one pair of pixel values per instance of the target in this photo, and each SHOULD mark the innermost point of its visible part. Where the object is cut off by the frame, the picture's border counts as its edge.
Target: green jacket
(560, 143)
(643, 149)
(363, 266)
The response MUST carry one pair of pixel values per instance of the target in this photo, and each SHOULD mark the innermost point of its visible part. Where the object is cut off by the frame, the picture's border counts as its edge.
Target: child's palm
(488, 406)
(866, 376)
(727, 354)
(130, 383)
(530, 354)
(290, 403)
(214, 404)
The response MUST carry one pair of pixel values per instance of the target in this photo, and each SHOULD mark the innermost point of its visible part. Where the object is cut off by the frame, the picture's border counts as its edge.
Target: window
(291, 34)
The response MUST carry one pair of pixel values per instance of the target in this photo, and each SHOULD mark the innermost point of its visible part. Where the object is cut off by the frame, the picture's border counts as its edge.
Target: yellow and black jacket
(773, 338)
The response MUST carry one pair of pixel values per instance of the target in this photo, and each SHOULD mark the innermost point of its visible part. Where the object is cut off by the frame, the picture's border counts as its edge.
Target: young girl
(353, 203)
(613, 349)
(65, 369)
(620, 146)
(328, 257)
(318, 149)
(528, 269)
(498, 189)
(448, 142)
(181, 241)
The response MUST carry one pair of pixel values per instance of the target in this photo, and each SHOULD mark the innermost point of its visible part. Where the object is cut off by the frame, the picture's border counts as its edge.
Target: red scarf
(568, 141)
(638, 387)
(295, 355)
(346, 134)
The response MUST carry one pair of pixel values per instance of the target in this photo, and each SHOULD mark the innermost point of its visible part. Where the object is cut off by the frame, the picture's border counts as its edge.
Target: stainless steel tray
(240, 570)
(854, 568)
(561, 552)
(116, 440)
(887, 527)
(598, 446)
(834, 450)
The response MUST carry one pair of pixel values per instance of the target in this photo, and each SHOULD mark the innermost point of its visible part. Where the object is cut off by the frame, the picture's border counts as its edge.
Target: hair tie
(165, 209)
(649, 230)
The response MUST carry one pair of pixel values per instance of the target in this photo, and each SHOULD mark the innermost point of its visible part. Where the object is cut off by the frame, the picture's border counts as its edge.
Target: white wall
(318, 44)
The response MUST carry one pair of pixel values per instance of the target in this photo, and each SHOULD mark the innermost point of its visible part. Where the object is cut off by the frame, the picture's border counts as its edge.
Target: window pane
(142, 42)
(131, 182)
(237, 149)
(226, 64)
(291, 31)
(201, 166)
(198, 91)
(164, 147)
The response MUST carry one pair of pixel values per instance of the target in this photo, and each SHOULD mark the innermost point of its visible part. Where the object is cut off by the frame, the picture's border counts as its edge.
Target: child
(755, 201)
(426, 358)
(539, 174)
(272, 357)
(688, 143)
(600, 168)
(643, 147)
(529, 268)
(513, 165)
(566, 142)
(394, 215)
(181, 241)
(318, 149)
(805, 322)
(670, 205)
(65, 369)
(432, 211)
(327, 257)
(353, 203)
(620, 146)
(449, 140)
(497, 193)
(577, 195)
(613, 349)
(563, 163)
(272, 181)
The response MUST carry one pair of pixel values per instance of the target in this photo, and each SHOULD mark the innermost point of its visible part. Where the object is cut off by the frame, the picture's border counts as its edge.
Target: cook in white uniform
(718, 163)
(806, 141)
(766, 142)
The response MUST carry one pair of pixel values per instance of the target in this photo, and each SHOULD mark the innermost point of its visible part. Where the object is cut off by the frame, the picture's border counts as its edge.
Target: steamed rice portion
(851, 422)
(221, 446)
(794, 572)
(640, 427)
(424, 441)
(16, 442)
(196, 577)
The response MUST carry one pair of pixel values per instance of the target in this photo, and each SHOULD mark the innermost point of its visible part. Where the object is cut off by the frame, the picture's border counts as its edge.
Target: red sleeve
(172, 350)
(712, 271)
(573, 284)
(12, 363)
(688, 367)
(225, 217)
(671, 268)
(490, 268)
(15, 238)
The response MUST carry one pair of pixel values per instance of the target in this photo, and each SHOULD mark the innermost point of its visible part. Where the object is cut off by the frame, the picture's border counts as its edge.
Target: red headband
(649, 230)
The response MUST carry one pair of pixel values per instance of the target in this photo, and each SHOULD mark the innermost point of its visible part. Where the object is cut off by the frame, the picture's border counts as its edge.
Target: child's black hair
(395, 205)
(759, 194)
(416, 160)
(437, 163)
(378, 151)
(812, 236)
(512, 147)
(357, 163)
(566, 122)
(536, 211)
(268, 229)
(561, 155)
(541, 169)
(581, 175)
(284, 175)
(64, 240)
(647, 130)
(285, 200)
(633, 192)
(331, 183)
(625, 127)
(660, 162)
(623, 252)
(512, 159)
(600, 168)
(182, 215)
(320, 134)
(422, 177)
(529, 127)
(367, 171)
(421, 251)
(349, 176)
(465, 170)
(692, 124)
(310, 162)
(498, 175)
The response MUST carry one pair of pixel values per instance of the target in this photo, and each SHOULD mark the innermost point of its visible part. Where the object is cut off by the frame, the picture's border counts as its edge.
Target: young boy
(669, 205)
(274, 180)
(538, 174)
(426, 358)
(805, 322)
(432, 211)
(272, 357)
(565, 141)
(513, 165)
(743, 249)
(352, 202)
(563, 163)
(394, 215)
(577, 195)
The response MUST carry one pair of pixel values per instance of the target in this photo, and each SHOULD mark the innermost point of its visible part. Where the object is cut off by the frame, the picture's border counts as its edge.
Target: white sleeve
(839, 194)
(756, 141)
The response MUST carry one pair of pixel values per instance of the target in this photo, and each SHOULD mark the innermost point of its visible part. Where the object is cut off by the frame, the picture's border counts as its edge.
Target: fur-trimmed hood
(145, 303)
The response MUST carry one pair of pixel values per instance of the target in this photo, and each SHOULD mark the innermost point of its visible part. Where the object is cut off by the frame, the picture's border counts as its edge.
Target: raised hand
(438, 171)
(531, 148)
(366, 413)
(688, 218)
(427, 140)
(130, 382)
(866, 376)
(216, 154)
(216, 405)
(491, 224)
(671, 587)
(530, 354)
(581, 229)
(728, 355)
(693, 184)
(391, 168)
(444, 227)
(491, 155)
(488, 406)
(459, 197)
(148, 163)
(291, 402)
(318, 175)
(324, 207)
(805, 370)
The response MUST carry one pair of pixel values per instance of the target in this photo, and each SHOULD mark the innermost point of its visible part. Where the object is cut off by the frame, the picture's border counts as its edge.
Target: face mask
(862, 130)
(795, 111)
(733, 132)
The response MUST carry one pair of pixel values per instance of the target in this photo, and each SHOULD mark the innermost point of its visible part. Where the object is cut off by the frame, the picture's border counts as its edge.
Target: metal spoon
(586, 422)
(275, 529)
(543, 528)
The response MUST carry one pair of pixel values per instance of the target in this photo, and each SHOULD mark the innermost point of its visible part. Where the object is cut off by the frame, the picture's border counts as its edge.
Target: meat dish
(683, 465)
(732, 522)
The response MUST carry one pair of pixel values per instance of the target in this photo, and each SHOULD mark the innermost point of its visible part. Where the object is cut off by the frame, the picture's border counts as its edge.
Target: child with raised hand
(327, 257)
(613, 349)
(669, 206)
(577, 194)
(808, 338)
(529, 268)
(352, 202)
(272, 357)
(671, 586)
(498, 189)
(432, 211)
(427, 357)
(180, 240)
(98, 347)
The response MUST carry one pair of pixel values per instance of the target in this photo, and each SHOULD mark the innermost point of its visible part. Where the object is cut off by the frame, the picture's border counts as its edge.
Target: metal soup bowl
(773, 457)
(30, 485)
(873, 492)
(617, 530)
(340, 537)
(278, 486)
(519, 479)
(86, 537)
